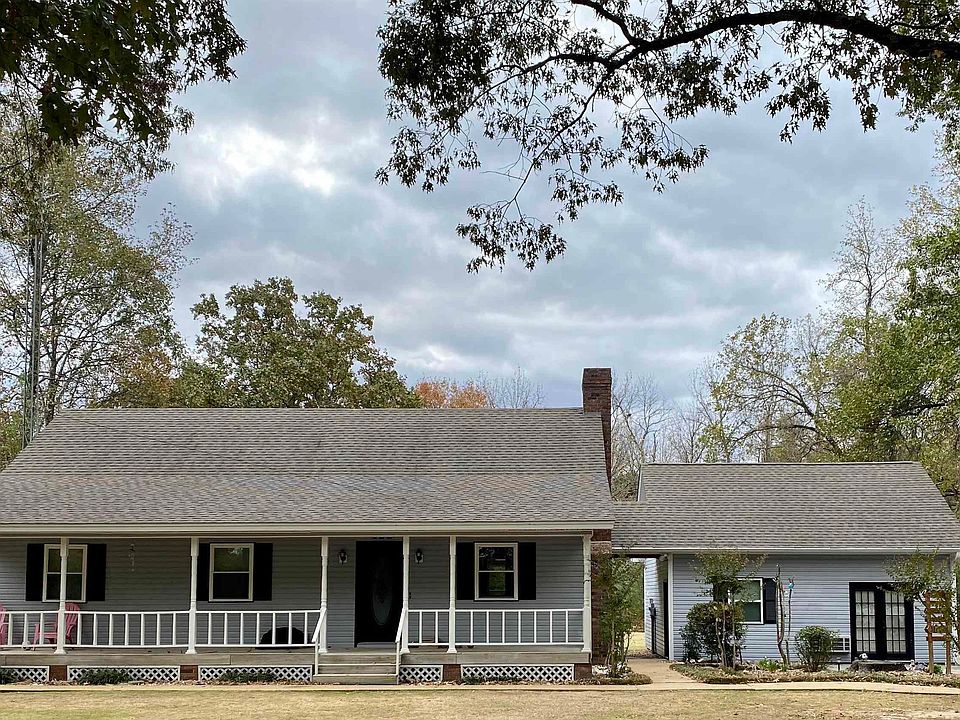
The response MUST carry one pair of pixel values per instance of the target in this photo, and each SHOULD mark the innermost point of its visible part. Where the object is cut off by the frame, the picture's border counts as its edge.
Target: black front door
(379, 591)
(881, 622)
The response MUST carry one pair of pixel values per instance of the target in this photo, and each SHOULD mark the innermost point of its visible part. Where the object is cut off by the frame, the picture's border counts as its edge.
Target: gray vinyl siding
(821, 597)
(150, 574)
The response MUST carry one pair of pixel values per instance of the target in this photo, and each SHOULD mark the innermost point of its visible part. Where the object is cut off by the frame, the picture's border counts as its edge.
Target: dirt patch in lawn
(296, 703)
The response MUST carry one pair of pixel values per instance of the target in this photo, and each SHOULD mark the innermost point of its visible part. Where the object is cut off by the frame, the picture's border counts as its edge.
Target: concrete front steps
(355, 668)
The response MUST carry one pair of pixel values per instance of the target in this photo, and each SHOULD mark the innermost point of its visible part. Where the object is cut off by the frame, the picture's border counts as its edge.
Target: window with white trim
(231, 573)
(496, 571)
(76, 573)
(750, 597)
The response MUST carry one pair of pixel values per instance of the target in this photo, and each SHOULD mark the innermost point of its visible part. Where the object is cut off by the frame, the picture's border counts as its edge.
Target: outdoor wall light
(343, 556)
(419, 556)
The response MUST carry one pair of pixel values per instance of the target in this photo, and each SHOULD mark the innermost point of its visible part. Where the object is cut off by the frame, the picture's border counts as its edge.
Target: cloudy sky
(276, 178)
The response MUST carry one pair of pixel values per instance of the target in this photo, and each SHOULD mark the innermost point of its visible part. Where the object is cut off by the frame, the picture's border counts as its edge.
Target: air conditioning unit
(841, 645)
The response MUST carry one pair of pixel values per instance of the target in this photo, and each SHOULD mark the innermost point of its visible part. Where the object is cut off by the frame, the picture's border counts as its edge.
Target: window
(496, 577)
(750, 596)
(231, 573)
(76, 573)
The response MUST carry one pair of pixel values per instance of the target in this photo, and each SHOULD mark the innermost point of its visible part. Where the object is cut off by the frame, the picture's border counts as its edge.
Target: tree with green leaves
(717, 627)
(85, 64)
(618, 582)
(921, 573)
(103, 291)
(261, 350)
(574, 89)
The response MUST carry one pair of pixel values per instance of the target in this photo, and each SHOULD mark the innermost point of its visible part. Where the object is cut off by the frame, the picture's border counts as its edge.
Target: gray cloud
(277, 179)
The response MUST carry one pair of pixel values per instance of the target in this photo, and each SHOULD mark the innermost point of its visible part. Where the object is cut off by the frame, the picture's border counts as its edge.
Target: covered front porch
(272, 597)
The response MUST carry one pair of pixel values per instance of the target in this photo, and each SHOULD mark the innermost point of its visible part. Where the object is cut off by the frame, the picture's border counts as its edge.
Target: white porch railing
(253, 628)
(165, 629)
(428, 627)
(21, 627)
(520, 626)
(502, 626)
(128, 629)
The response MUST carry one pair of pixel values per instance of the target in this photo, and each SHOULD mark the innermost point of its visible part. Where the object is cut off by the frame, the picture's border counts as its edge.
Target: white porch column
(192, 615)
(404, 631)
(324, 563)
(587, 596)
(452, 628)
(669, 600)
(62, 609)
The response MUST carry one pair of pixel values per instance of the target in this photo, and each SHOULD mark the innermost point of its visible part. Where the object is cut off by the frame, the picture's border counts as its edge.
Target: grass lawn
(295, 703)
(636, 644)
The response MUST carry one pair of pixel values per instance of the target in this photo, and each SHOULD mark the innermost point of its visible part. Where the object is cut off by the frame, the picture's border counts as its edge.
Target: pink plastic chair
(3, 625)
(40, 637)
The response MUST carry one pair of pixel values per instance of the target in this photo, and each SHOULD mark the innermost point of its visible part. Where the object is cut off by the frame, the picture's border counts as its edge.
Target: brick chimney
(597, 398)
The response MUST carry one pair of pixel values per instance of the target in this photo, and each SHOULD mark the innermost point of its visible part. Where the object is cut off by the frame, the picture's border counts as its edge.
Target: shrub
(769, 665)
(814, 644)
(7, 676)
(103, 676)
(713, 630)
(630, 678)
(247, 676)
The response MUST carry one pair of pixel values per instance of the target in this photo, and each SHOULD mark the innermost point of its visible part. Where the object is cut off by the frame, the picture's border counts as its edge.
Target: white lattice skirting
(421, 673)
(141, 673)
(39, 674)
(525, 673)
(288, 673)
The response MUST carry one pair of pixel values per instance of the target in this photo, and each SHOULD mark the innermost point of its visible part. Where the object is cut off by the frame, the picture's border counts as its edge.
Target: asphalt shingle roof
(855, 507)
(325, 466)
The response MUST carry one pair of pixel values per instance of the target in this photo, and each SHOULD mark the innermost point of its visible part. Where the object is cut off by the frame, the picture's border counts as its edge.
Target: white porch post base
(192, 616)
(452, 621)
(62, 608)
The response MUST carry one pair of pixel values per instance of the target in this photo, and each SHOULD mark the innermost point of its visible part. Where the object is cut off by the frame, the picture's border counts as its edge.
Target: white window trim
(762, 604)
(515, 571)
(47, 571)
(231, 546)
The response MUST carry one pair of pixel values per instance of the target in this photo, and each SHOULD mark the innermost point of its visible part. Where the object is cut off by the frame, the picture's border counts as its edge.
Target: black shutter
(263, 571)
(527, 571)
(465, 560)
(716, 594)
(769, 601)
(34, 579)
(96, 572)
(203, 573)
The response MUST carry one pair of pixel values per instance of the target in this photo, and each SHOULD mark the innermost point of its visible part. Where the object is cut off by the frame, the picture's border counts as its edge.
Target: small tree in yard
(619, 584)
(784, 617)
(723, 573)
(921, 573)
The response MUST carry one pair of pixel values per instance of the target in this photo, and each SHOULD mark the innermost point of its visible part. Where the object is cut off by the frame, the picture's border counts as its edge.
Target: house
(386, 545)
(341, 545)
(833, 528)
